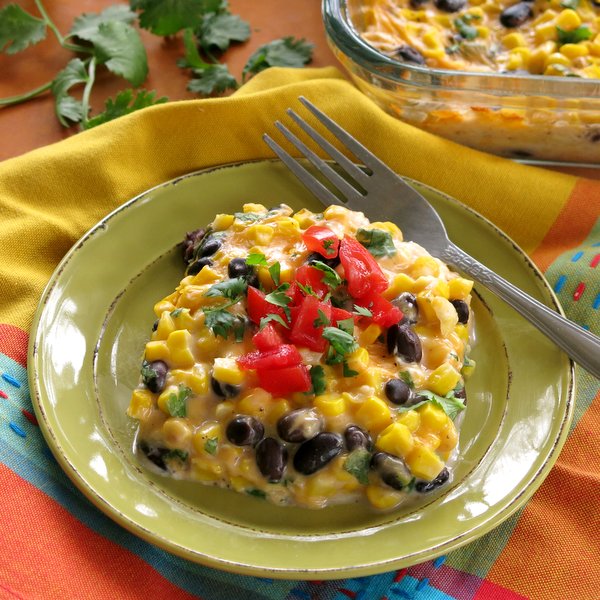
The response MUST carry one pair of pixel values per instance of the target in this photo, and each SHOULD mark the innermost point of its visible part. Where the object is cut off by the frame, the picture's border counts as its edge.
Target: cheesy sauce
(309, 359)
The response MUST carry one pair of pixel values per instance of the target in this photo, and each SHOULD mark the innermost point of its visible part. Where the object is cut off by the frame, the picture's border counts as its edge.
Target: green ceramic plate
(86, 345)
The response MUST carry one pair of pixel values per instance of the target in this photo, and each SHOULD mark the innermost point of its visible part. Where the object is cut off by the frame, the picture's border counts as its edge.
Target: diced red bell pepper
(361, 270)
(258, 307)
(384, 312)
(339, 314)
(304, 332)
(286, 380)
(285, 355)
(267, 338)
(321, 239)
(309, 276)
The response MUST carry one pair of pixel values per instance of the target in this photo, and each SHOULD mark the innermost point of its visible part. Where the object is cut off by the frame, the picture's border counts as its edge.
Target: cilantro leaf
(175, 313)
(347, 371)
(573, 36)
(176, 403)
(68, 108)
(167, 17)
(210, 445)
(257, 259)
(284, 52)
(376, 241)
(280, 298)
(467, 32)
(362, 311)
(249, 217)
(219, 30)
(449, 404)
(407, 378)
(119, 47)
(213, 79)
(86, 25)
(341, 342)
(221, 322)
(256, 492)
(176, 454)
(275, 272)
(124, 104)
(346, 325)
(317, 377)
(358, 463)
(306, 289)
(19, 29)
(232, 289)
(330, 277)
(272, 317)
(321, 320)
(570, 4)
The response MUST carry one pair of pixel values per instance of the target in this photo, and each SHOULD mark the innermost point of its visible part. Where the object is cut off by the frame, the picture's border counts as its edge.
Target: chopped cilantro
(175, 313)
(275, 272)
(218, 30)
(221, 322)
(272, 317)
(449, 403)
(232, 289)
(407, 378)
(573, 36)
(321, 320)
(341, 343)
(256, 492)
(212, 79)
(149, 375)
(279, 298)
(327, 247)
(362, 311)
(357, 463)
(346, 325)
(573, 4)
(167, 18)
(347, 371)
(306, 289)
(210, 445)
(176, 403)
(285, 52)
(176, 454)
(330, 277)
(376, 241)
(317, 377)
(249, 217)
(256, 259)
(468, 32)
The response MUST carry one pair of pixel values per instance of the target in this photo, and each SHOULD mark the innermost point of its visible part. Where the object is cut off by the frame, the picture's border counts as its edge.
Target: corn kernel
(557, 58)
(165, 326)
(459, 288)
(207, 431)
(204, 276)
(574, 50)
(222, 222)
(140, 404)
(390, 227)
(176, 433)
(157, 350)
(256, 403)
(423, 283)
(265, 279)
(448, 437)
(374, 414)
(426, 312)
(224, 410)
(432, 418)
(424, 462)
(411, 419)
(440, 288)
(468, 368)
(182, 319)
(288, 227)
(196, 379)
(179, 343)
(545, 32)
(305, 218)
(400, 283)
(425, 266)
(462, 331)
(514, 62)
(443, 380)
(445, 313)
(204, 470)
(384, 498)
(336, 213)
(482, 31)
(207, 343)
(252, 207)
(396, 439)
(514, 40)
(330, 405)
(163, 398)
(261, 234)
(369, 335)
(431, 440)
(278, 407)
(226, 370)
(432, 40)
(359, 360)
(539, 55)
(568, 19)
(166, 304)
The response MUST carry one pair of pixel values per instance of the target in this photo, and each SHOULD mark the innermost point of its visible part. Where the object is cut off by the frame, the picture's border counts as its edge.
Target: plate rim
(80, 482)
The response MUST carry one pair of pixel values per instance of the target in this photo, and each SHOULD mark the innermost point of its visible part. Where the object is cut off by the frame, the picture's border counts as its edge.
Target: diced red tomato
(322, 240)
(339, 314)
(294, 293)
(267, 338)
(309, 276)
(384, 312)
(363, 274)
(304, 332)
(286, 380)
(258, 307)
(285, 355)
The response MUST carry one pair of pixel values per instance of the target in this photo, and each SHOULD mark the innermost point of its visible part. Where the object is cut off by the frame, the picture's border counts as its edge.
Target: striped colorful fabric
(56, 545)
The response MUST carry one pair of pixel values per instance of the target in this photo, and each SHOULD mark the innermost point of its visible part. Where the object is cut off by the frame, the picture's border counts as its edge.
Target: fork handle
(580, 345)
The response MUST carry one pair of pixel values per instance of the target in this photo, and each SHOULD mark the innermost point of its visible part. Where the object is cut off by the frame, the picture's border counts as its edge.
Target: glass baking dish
(532, 118)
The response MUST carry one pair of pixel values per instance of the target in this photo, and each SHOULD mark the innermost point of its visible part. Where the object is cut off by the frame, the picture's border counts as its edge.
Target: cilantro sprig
(449, 403)
(341, 341)
(177, 403)
(376, 241)
(330, 276)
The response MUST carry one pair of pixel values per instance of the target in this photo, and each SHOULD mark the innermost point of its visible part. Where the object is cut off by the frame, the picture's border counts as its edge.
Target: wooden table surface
(33, 124)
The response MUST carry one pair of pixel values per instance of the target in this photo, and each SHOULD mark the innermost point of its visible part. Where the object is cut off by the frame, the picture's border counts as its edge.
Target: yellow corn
(165, 326)
(459, 288)
(396, 439)
(374, 414)
(251, 207)
(166, 304)
(157, 350)
(369, 335)
(445, 313)
(277, 408)
(411, 419)
(179, 344)
(206, 275)
(226, 370)
(140, 404)
(388, 226)
(207, 343)
(224, 410)
(545, 32)
(424, 462)
(206, 470)
(196, 379)
(176, 433)
(448, 437)
(574, 50)
(384, 498)
(305, 218)
(222, 222)
(401, 283)
(443, 379)
(425, 266)
(255, 403)
(558, 58)
(207, 431)
(432, 418)
(359, 360)
(288, 227)
(514, 40)
(330, 405)
(568, 19)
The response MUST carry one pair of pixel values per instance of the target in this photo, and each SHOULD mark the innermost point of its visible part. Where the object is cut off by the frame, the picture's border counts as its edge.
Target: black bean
(154, 454)
(299, 425)
(224, 390)
(450, 6)
(392, 337)
(271, 459)
(462, 310)
(392, 470)
(397, 391)
(427, 486)
(209, 247)
(330, 262)
(408, 345)
(356, 437)
(410, 55)
(317, 452)
(155, 325)
(253, 281)
(154, 375)
(191, 242)
(198, 265)
(415, 4)
(407, 303)
(516, 15)
(238, 268)
(244, 430)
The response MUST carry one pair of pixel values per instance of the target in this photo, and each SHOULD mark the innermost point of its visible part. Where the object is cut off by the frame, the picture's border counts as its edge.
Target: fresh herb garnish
(249, 217)
(347, 371)
(573, 4)
(124, 104)
(210, 445)
(275, 272)
(317, 377)
(256, 492)
(175, 313)
(362, 311)
(232, 289)
(272, 317)
(218, 30)
(376, 241)
(321, 320)
(330, 277)
(341, 343)
(257, 259)
(449, 403)
(346, 325)
(407, 378)
(573, 36)
(279, 298)
(285, 52)
(357, 464)
(149, 375)
(176, 403)
(468, 32)
(306, 289)
(221, 322)
(176, 454)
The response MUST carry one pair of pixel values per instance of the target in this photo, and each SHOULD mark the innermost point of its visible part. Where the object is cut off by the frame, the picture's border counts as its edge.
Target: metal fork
(383, 196)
